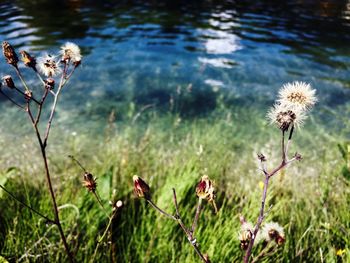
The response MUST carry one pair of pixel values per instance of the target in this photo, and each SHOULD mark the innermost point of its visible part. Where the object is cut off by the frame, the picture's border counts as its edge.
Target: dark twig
(198, 210)
(27, 206)
(268, 175)
(11, 100)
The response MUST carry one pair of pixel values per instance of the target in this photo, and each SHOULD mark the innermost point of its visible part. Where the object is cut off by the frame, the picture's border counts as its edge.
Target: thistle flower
(10, 54)
(285, 116)
(205, 189)
(141, 188)
(49, 66)
(297, 95)
(246, 234)
(90, 182)
(273, 232)
(28, 60)
(71, 52)
(9, 81)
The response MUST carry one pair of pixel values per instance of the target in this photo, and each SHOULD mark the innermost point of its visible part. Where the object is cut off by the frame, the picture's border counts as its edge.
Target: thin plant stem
(160, 210)
(178, 219)
(100, 202)
(260, 219)
(104, 234)
(268, 175)
(78, 163)
(27, 206)
(11, 100)
(42, 145)
(196, 217)
(21, 78)
(32, 98)
(187, 232)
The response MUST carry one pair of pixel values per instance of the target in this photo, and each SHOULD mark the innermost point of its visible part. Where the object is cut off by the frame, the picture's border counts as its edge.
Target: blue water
(143, 52)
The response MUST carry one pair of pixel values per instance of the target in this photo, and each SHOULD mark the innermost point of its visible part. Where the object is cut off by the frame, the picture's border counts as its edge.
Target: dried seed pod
(28, 95)
(9, 81)
(28, 60)
(10, 54)
(50, 83)
(205, 189)
(141, 188)
(90, 182)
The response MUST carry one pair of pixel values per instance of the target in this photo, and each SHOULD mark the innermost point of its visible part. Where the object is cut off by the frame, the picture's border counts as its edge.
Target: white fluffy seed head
(71, 52)
(285, 116)
(271, 231)
(297, 95)
(48, 65)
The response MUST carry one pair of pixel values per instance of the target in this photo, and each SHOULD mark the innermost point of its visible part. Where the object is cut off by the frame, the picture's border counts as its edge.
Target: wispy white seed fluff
(297, 95)
(271, 230)
(49, 66)
(285, 116)
(71, 52)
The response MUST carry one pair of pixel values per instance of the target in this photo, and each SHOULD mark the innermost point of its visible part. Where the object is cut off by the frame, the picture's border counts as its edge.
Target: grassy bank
(311, 199)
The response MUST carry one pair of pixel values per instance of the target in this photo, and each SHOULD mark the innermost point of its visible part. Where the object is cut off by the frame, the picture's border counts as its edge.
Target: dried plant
(49, 66)
(204, 190)
(293, 103)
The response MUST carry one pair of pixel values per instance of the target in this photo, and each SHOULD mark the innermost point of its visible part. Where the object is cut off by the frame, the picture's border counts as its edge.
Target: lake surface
(140, 53)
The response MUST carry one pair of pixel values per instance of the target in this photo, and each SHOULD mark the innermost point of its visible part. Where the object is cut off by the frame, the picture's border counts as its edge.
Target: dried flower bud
(261, 157)
(90, 182)
(9, 81)
(10, 54)
(50, 83)
(273, 232)
(298, 157)
(205, 189)
(141, 188)
(285, 119)
(245, 234)
(28, 60)
(28, 95)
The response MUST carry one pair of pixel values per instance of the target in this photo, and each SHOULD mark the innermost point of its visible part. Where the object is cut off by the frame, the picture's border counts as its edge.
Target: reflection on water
(142, 51)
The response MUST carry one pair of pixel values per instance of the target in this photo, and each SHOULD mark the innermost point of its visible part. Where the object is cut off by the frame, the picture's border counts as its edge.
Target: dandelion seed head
(71, 52)
(285, 116)
(297, 95)
(49, 66)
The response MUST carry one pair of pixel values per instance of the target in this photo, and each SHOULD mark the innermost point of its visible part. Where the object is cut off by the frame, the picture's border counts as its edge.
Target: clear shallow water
(143, 51)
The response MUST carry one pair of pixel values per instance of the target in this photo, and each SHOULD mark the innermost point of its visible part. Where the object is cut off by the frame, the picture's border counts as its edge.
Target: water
(142, 52)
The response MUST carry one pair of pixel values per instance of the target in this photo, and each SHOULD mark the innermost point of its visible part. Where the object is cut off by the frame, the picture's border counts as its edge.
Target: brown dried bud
(245, 235)
(50, 83)
(285, 119)
(280, 240)
(205, 189)
(261, 157)
(90, 182)
(10, 54)
(298, 157)
(28, 60)
(9, 81)
(28, 95)
(141, 188)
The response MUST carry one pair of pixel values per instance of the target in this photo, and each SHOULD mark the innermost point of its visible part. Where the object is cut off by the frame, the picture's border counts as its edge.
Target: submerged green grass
(311, 198)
